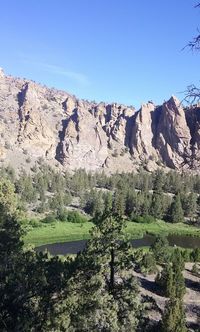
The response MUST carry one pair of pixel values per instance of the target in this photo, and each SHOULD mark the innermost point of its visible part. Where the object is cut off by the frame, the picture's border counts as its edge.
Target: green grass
(160, 227)
(57, 232)
(65, 231)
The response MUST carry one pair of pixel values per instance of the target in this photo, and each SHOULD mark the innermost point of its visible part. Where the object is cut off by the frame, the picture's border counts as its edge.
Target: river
(76, 246)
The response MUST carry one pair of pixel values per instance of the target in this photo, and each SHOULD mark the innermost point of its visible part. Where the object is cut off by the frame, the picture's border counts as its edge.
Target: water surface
(147, 240)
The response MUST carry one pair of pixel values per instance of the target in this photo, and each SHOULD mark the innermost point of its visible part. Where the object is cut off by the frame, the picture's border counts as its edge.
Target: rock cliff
(38, 123)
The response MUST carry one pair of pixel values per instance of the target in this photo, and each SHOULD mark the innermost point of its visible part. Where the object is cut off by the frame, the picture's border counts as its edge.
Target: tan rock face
(2, 75)
(173, 140)
(33, 124)
(36, 121)
(143, 133)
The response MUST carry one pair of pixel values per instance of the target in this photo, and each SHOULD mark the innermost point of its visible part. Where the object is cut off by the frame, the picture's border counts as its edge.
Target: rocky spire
(1, 73)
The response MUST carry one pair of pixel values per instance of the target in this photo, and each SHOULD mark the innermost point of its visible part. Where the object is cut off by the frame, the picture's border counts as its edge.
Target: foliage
(147, 264)
(195, 270)
(176, 214)
(76, 217)
(174, 316)
(110, 293)
(143, 219)
(195, 255)
(160, 249)
(50, 218)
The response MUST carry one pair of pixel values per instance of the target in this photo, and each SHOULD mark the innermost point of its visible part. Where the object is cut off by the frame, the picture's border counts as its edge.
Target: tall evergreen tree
(176, 210)
(29, 287)
(157, 209)
(119, 202)
(107, 292)
(160, 249)
(173, 319)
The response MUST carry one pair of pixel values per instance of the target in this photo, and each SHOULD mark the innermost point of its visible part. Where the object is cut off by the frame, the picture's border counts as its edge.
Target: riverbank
(58, 232)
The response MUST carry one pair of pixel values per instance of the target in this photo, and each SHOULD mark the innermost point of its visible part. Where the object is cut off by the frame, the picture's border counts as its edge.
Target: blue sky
(127, 51)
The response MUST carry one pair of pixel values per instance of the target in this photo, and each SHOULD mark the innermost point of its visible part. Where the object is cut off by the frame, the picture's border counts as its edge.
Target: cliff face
(37, 122)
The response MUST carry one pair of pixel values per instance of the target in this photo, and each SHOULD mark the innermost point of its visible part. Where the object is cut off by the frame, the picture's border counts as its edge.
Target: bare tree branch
(192, 94)
(195, 43)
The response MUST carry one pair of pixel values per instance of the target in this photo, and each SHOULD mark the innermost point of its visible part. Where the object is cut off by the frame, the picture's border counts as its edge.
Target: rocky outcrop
(143, 133)
(41, 123)
(173, 138)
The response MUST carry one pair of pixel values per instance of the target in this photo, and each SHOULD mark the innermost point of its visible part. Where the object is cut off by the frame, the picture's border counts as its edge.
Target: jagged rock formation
(38, 122)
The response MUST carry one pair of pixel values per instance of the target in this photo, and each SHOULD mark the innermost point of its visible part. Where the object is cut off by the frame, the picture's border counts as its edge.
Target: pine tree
(107, 292)
(191, 205)
(178, 279)
(148, 263)
(158, 183)
(157, 210)
(176, 210)
(173, 319)
(165, 280)
(160, 249)
(119, 203)
(28, 282)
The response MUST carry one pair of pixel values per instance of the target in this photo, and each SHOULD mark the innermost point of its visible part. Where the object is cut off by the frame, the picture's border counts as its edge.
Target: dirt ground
(191, 298)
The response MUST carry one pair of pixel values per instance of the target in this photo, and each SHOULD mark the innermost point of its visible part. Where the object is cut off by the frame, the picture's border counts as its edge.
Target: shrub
(143, 220)
(34, 223)
(62, 215)
(49, 218)
(186, 254)
(195, 255)
(147, 265)
(76, 217)
(195, 270)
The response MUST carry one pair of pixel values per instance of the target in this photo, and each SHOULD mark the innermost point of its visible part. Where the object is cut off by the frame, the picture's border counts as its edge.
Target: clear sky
(128, 51)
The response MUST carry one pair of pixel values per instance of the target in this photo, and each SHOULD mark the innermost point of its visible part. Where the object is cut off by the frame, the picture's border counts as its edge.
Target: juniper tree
(160, 249)
(173, 319)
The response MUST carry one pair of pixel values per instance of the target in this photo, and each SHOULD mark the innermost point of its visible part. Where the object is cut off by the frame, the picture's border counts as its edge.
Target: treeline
(170, 196)
(94, 291)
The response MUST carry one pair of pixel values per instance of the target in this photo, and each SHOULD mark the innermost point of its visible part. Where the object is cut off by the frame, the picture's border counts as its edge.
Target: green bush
(195, 255)
(34, 223)
(76, 217)
(147, 265)
(186, 254)
(195, 270)
(49, 218)
(62, 215)
(143, 220)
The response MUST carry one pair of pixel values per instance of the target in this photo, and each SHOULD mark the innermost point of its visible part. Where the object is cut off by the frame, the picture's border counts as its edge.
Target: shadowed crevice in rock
(155, 119)
(130, 124)
(60, 155)
(61, 148)
(21, 98)
(193, 122)
(108, 113)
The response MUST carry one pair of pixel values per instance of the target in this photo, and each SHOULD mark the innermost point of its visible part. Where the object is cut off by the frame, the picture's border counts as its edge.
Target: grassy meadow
(57, 231)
